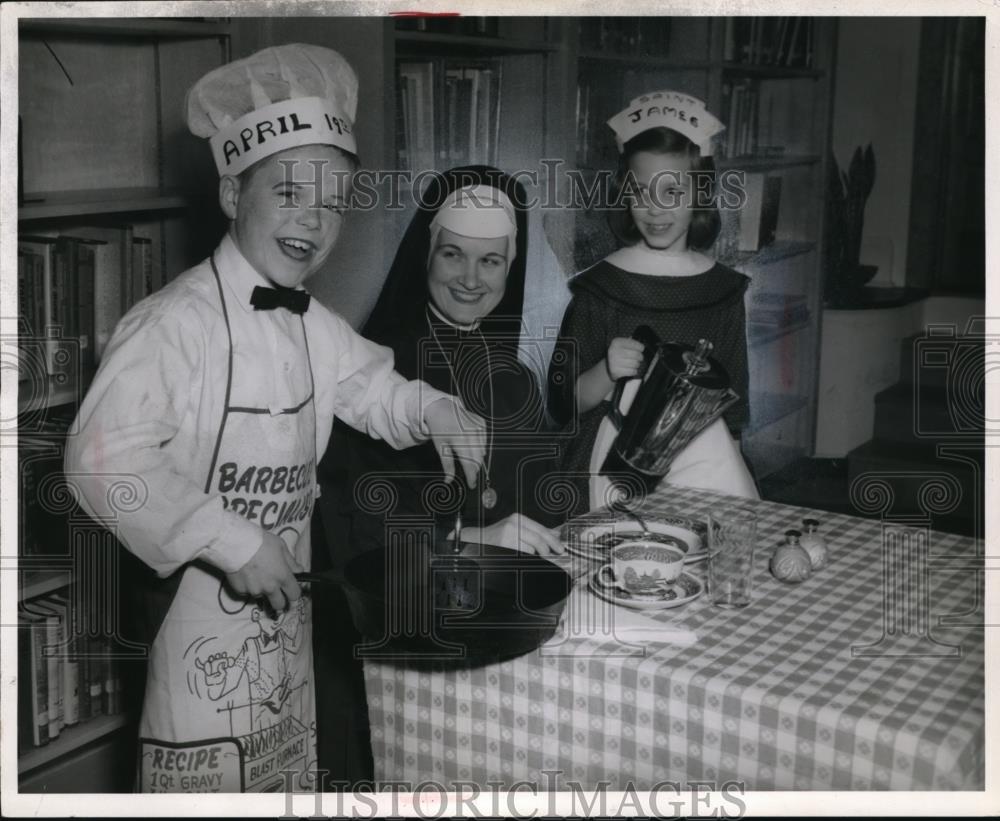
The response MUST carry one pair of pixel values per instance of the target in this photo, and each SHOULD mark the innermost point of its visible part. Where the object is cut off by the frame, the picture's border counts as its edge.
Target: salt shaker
(814, 544)
(790, 563)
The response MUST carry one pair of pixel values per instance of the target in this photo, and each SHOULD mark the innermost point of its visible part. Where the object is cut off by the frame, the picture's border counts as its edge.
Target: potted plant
(846, 196)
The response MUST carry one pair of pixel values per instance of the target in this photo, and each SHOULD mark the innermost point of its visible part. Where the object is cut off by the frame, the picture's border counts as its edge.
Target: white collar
(641, 259)
(467, 328)
(238, 274)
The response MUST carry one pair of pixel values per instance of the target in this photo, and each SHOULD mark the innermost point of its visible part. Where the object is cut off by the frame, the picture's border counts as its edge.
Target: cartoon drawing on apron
(229, 704)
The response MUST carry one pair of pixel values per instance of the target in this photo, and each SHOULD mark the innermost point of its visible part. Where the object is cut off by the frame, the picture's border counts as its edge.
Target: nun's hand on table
(457, 435)
(270, 574)
(517, 532)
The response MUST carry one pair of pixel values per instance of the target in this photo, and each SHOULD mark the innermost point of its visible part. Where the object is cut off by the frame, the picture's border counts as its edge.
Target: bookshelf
(129, 169)
(39, 582)
(64, 204)
(69, 740)
(418, 42)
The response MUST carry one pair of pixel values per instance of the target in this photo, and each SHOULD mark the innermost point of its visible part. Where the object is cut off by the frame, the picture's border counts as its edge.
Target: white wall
(875, 102)
(860, 356)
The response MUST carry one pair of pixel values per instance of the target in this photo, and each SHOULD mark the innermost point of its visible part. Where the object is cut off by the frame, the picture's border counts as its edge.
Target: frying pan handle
(648, 337)
(316, 578)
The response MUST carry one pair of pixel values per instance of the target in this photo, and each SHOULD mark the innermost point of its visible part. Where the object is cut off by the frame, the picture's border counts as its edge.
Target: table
(778, 696)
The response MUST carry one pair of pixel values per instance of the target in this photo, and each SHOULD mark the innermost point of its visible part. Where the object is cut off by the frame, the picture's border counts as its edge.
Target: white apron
(711, 460)
(229, 694)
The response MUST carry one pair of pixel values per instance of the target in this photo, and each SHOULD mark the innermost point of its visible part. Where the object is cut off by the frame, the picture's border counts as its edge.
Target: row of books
(740, 107)
(626, 35)
(770, 41)
(78, 286)
(64, 678)
(595, 144)
(447, 113)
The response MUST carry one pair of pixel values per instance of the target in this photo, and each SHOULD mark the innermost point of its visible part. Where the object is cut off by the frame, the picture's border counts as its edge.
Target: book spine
(116, 684)
(142, 268)
(108, 671)
(53, 639)
(401, 124)
(85, 305)
(40, 683)
(68, 661)
(97, 660)
(63, 296)
(83, 678)
(25, 710)
(37, 268)
(49, 321)
(24, 307)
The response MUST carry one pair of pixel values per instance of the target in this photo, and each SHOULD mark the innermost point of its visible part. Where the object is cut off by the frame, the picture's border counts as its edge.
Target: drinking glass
(732, 535)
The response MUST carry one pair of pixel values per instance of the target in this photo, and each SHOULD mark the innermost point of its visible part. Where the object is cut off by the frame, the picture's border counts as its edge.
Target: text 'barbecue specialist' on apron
(229, 696)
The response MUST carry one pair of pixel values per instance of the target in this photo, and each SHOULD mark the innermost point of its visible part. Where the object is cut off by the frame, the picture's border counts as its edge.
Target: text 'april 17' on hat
(279, 98)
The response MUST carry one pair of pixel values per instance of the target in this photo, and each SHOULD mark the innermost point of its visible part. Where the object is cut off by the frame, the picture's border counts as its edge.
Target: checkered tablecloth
(777, 696)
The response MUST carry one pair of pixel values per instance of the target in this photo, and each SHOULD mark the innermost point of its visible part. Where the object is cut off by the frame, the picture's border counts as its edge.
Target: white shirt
(152, 415)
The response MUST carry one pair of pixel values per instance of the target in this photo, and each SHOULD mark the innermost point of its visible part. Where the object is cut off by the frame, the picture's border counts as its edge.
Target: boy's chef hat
(667, 109)
(279, 98)
(479, 212)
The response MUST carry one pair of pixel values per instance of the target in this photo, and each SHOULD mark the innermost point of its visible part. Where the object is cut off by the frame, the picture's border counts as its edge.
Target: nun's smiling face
(467, 276)
(287, 211)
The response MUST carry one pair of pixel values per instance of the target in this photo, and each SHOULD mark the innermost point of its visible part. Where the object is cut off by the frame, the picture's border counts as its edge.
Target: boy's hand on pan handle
(457, 434)
(270, 573)
(624, 358)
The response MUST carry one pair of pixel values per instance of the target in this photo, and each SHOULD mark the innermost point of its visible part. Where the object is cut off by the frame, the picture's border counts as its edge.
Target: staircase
(931, 423)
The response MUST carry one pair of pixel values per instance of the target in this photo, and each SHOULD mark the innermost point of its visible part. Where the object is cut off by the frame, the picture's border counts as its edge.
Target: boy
(208, 398)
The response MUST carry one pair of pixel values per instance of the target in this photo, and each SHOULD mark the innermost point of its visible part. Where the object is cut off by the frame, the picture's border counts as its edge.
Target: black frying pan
(420, 606)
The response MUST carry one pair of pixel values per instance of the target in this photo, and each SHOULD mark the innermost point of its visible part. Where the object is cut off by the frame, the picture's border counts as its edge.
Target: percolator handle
(650, 341)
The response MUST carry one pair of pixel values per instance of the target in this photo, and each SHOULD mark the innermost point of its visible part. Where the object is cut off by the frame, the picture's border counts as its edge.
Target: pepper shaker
(814, 544)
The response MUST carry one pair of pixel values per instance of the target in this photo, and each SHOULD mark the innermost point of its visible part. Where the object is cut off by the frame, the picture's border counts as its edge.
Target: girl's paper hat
(279, 98)
(667, 109)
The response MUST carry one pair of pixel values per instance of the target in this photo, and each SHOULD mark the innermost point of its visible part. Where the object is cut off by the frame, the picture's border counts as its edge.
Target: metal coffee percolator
(683, 390)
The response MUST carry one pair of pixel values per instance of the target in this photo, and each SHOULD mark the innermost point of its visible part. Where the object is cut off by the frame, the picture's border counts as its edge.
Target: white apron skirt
(711, 460)
(229, 693)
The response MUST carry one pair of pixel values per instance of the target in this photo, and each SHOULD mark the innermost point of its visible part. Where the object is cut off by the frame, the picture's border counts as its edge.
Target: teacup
(642, 567)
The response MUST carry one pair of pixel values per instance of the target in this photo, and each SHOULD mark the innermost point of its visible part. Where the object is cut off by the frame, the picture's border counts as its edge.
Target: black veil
(399, 313)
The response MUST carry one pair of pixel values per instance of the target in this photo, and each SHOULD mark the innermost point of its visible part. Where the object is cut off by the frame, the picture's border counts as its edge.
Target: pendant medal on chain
(489, 496)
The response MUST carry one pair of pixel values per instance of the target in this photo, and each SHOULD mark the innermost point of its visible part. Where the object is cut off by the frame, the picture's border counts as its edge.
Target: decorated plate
(686, 589)
(596, 541)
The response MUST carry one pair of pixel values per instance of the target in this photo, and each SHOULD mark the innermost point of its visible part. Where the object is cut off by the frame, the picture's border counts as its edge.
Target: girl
(662, 278)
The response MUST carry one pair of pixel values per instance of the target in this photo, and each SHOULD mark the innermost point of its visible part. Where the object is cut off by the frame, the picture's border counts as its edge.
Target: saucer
(596, 541)
(687, 588)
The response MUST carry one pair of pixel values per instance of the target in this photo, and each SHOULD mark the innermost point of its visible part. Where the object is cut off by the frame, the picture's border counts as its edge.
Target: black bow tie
(267, 299)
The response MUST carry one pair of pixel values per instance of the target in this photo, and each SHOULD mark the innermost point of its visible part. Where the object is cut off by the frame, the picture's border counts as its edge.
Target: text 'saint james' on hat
(279, 98)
